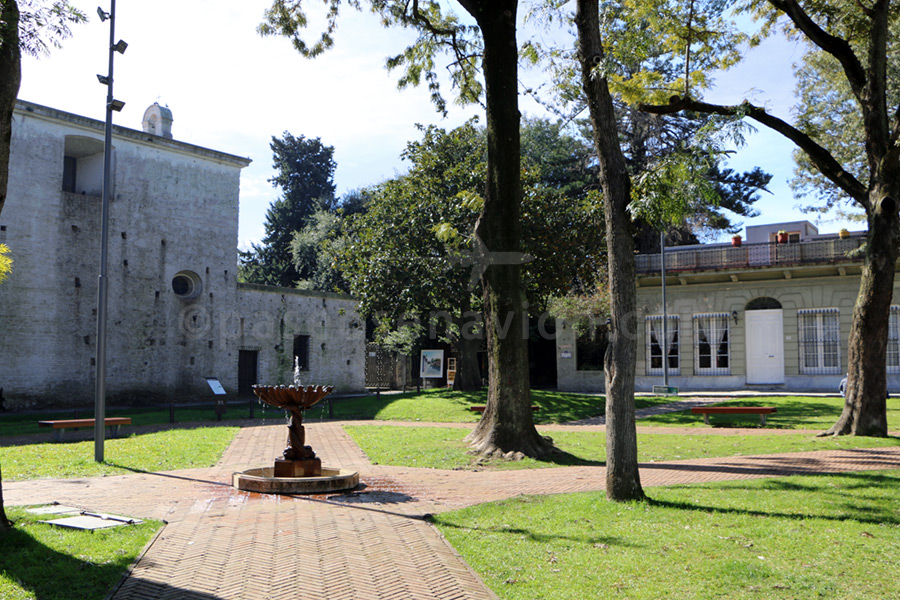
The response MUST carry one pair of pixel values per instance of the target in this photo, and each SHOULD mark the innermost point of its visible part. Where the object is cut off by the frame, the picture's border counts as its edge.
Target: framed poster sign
(432, 364)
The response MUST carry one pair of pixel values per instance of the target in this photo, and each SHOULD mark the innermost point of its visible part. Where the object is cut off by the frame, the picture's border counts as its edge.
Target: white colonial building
(177, 314)
(751, 314)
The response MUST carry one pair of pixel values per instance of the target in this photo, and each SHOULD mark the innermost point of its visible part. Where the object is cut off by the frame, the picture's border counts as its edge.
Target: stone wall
(173, 220)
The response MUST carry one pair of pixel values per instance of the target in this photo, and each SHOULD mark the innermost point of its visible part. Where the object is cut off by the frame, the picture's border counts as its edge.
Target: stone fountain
(299, 470)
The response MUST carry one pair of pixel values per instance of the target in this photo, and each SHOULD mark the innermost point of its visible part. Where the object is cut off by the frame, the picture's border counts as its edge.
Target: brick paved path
(221, 543)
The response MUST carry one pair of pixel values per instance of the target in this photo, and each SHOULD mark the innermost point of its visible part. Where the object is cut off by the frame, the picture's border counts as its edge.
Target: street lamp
(103, 285)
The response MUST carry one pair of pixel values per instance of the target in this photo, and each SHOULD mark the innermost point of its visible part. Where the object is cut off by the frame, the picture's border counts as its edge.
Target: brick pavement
(221, 543)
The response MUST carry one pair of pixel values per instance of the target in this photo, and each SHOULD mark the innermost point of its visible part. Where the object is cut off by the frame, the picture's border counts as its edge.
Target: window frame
(893, 345)
(825, 343)
(673, 329)
(715, 324)
(303, 344)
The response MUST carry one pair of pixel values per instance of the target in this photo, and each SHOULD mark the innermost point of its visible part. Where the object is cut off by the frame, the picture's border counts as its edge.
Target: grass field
(160, 451)
(794, 412)
(13, 423)
(445, 406)
(443, 447)
(43, 562)
(834, 537)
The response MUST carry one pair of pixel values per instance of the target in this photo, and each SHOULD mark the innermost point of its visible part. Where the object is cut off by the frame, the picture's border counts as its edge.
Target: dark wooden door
(248, 371)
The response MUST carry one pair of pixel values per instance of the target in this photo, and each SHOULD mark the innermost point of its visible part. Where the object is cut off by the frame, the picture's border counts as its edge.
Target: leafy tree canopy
(304, 170)
(414, 250)
(41, 25)
(830, 113)
(5, 262)
(439, 31)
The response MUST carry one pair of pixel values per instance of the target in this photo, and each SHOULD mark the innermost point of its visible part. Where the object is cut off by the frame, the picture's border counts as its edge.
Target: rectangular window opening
(712, 345)
(820, 341)
(654, 348)
(893, 345)
(590, 349)
(301, 352)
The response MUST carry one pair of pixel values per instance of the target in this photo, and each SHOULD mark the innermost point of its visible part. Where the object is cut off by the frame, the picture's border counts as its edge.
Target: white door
(765, 345)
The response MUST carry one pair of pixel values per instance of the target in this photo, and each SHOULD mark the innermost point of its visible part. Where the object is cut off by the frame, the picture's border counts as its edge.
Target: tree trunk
(865, 406)
(623, 480)
(507, 424)
(4, 522)
(468, 372)
(10, 77)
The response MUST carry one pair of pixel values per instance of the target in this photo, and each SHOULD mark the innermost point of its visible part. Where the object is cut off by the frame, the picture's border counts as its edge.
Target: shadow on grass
(49, 574)
(833, 498)
(531, 535)
(793, 413)
(559, 407)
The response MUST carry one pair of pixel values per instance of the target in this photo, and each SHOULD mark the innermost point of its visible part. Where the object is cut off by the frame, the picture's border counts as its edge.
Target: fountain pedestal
(304, 467)
(299, 471)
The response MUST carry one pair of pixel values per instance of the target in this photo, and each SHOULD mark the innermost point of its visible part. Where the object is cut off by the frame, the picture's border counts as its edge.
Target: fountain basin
(263, 481)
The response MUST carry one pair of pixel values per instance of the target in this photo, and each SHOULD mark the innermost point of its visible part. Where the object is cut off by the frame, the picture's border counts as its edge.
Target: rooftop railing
(769, 254)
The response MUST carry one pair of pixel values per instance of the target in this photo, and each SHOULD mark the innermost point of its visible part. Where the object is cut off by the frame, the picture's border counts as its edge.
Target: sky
(231, 90)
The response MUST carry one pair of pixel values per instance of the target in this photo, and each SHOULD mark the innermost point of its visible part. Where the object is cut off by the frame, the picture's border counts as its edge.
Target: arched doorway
(764, 326)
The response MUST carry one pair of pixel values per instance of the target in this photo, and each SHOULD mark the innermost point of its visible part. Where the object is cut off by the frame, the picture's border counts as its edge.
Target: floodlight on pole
(102, 282)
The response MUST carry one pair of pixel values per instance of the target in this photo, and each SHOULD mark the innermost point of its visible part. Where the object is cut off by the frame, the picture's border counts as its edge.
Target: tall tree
(412, 253)
(856, 36)
(28, 26)
(304, 171)
(627, 62)
(623, 481)
(507, 423)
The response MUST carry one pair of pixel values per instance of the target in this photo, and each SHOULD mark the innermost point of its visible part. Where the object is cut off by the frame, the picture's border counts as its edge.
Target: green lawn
(794, 412)
(161, 451)
(42, 562)
(446, 406)
(443, 447)
(832, 537)
(12, 423)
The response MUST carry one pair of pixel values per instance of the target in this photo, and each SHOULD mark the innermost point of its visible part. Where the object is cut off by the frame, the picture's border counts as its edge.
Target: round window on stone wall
(187, 285)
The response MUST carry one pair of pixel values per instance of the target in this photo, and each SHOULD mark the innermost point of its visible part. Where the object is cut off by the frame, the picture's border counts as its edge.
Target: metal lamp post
(103, 285)
(665, 324)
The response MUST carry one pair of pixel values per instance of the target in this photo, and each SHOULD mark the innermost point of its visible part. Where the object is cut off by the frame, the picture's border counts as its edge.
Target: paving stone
(221, 543)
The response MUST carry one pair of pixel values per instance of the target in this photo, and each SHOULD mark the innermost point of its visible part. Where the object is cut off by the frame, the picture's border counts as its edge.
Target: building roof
(51, 114)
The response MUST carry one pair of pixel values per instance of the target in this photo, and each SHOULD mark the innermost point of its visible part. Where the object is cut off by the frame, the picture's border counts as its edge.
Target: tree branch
(820, 157)
(835, 46)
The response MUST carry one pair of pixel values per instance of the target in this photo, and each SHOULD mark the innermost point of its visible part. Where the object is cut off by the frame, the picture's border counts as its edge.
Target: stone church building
(176, 312)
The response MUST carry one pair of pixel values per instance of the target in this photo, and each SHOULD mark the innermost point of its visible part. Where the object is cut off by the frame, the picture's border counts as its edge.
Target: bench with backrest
(61, 425)
(762, 411)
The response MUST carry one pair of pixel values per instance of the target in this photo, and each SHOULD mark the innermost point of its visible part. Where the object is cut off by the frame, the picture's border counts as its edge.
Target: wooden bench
(762, 411)
(59, 426)
(479, 408)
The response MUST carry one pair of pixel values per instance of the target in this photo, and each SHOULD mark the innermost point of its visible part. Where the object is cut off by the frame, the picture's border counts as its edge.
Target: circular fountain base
(263, 481)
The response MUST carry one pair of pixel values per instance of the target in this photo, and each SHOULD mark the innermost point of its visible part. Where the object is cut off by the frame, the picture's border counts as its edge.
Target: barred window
(654, 327)
(893, 347)
(820, 341)
(712, 347)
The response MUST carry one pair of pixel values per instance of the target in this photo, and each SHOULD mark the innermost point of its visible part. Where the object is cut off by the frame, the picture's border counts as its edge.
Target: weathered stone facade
(176, 312)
